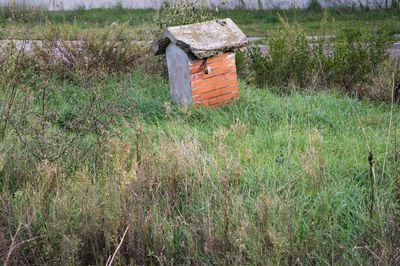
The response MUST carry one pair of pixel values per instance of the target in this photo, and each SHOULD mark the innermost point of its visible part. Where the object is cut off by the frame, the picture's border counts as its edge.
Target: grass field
(96, 160)
(279, 179)
(28, 24)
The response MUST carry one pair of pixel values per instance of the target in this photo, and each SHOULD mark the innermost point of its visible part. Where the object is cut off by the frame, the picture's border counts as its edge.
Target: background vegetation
(97, 166)
(356, 60)
(27, 23)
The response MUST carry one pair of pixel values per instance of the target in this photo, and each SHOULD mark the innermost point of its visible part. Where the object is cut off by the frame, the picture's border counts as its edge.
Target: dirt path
(29, 45)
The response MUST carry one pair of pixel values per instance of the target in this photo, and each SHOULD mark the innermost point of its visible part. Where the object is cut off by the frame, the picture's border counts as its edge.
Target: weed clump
(314, 5)
(95, 55)
(59, 91)
(19, 11)
(287, 60)
(183, 12)
(356, 55)
(350, 60)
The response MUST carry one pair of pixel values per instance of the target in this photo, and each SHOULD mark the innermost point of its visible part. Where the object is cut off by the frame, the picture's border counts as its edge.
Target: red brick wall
(217, 87)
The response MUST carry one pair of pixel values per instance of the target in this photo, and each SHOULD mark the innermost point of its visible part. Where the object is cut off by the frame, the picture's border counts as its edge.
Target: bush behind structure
(183, 12)
(348, 61)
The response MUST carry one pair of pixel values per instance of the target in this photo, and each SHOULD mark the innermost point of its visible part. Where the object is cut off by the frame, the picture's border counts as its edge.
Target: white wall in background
(266, 4)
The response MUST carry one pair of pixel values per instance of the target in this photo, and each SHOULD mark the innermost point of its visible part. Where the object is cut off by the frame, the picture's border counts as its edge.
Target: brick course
(219, 85)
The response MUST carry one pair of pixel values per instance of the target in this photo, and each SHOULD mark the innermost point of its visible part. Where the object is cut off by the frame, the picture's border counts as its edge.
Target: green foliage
(183, 12)
(287, 60)
(63, 54)
(357, 53)
(252, 22)
(48, 118)
(243, 66)
(265, 180)
(64, 104)
(91, 146)
(314, 5)
(394, 5)
(19, 11)
(345, 62)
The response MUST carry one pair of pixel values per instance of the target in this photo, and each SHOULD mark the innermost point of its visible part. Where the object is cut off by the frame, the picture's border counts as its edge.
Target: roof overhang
(204, 39)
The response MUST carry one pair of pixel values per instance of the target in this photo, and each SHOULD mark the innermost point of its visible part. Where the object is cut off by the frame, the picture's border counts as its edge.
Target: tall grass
(97, 165)
(252, 22)
(267, 179)
(356, 61)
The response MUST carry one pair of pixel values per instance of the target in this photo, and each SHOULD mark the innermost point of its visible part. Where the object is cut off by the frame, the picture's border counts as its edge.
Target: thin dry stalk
(371, 163)
(363, 129)
(13, 85)
(137, 140)
(111, 259)
(390, 127)
(15, 245)
(395, 144)
(226, 210)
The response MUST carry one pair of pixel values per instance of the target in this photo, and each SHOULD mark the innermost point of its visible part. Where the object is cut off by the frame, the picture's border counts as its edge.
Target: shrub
(314, 5)
(62, 54)
(67, 102)
(287, 59)
(243, 64)
(51, 120)
(98, 53)
(356, 55)
(19, 11)
(182, 12)
(383, 84)
(347, 62)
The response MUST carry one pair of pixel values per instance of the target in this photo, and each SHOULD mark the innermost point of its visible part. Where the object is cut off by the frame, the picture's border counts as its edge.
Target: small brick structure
(201, 61)
(219, 85)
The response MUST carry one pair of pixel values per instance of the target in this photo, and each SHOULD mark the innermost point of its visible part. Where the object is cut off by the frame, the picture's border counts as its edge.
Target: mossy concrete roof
(204, 39)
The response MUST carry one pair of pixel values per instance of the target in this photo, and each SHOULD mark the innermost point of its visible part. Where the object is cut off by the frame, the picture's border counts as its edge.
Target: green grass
(267, 179)
(261, 23)
(252, 22)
